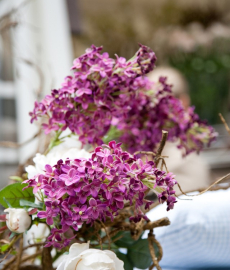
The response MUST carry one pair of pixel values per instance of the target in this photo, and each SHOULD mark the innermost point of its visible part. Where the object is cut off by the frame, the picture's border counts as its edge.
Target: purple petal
(92, 202)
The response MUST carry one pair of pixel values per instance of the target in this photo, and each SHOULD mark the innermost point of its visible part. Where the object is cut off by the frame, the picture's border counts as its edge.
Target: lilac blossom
(158, 110)
(105, 92)
(103, 184)
(99, 89)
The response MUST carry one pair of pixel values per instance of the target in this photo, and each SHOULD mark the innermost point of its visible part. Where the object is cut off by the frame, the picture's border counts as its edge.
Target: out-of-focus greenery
(207, 73)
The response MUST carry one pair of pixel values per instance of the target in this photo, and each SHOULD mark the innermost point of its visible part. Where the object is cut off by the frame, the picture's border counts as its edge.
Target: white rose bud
(81, 257)
(17, 220)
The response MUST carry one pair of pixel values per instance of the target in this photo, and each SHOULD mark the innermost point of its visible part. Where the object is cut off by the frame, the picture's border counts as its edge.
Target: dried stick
(108, 236)
(15, 239)
(30, 257)
(152, 240)
(157, 223)
(8, 263)
(145, 153)
(14, 10)
(34, 245)
(17, 145)
(227, 176)
(47, 263)
(225, 123)
(19, 255)
(7, 254)
(161, 146)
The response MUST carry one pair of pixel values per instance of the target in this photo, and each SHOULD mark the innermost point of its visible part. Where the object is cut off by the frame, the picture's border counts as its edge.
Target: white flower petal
(119, 264)
(76, 249)
(61, 266)
(93, 256)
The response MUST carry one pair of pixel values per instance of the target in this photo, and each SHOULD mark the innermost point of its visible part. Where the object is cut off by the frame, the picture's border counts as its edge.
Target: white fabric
(199, 234)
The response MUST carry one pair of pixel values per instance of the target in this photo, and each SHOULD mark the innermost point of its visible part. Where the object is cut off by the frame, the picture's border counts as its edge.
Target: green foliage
(207, 73)
(3, 248)
(11, 195)
(138, 254)
(112, 134)
(16, 178)
(29, 204)
(127, 263)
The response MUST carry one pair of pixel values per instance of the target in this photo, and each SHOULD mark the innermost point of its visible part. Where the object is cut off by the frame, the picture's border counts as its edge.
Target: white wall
(42, 37)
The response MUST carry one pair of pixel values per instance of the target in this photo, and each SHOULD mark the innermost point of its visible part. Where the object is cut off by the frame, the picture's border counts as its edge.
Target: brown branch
(7, 254)
(34, 245)
(8, 26)
(97, 229)
(19, 254)
(225, 123)
(161, 146)
(47, 263)
(30, 257)
(14, 10)
(108, 236)
(17, 145)
(30, 267)
(14, 240)
(152, 240)
(40, 75)
(145, 153)
(8, 263)
(227, 176)
(157, 223)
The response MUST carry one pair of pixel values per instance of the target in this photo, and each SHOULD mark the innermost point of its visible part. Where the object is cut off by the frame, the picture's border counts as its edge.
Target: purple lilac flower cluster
(159, 110)
(84, 190)
(100, 88)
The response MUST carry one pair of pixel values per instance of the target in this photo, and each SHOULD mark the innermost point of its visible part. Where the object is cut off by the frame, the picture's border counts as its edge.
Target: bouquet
(109, 124)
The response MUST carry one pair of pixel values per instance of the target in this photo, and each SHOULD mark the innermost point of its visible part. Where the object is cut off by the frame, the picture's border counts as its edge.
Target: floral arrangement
(96, 199)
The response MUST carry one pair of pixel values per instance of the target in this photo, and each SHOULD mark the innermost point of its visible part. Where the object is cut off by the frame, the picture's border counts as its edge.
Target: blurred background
(39, 40)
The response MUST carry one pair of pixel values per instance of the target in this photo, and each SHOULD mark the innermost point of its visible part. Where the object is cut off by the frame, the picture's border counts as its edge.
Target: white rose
(70, 148)
(81, 257)
(17, 220)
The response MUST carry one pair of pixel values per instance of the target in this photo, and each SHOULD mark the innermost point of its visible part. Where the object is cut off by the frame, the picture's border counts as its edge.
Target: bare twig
(34, 245)
(8, 263)
(17, 145)
(40, 75)
(14, 10)
(14, 240)
(108, 236)
(145, 153)
(30, 257)
(152, 240)
(161, 146)
(225, 123)
(157, 223)
(7, 254)
(47, 262)
(227, 176)
(19, 254)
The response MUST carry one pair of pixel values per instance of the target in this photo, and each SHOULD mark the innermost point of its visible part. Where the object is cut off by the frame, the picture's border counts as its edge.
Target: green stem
(53, 141)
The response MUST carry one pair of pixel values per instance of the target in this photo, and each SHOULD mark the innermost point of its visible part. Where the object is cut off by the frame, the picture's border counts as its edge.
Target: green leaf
(13, 194)
(8, 204)
(139, 254)
(147, 183)
(127, 263)
(16, 178)
(126, 241)
(4, 247)
(12, 235)
(29, 204)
